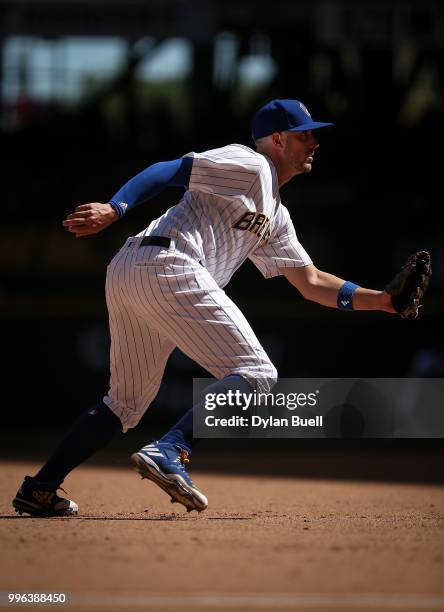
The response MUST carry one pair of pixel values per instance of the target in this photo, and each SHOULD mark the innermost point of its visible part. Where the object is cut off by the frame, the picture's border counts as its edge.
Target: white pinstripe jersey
(232, 210)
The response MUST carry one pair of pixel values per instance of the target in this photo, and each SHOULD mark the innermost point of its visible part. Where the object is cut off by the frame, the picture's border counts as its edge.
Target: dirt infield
(264, 543)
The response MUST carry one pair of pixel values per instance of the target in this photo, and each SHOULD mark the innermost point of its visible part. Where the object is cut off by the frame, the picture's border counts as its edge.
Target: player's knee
(273, 377)
(267, 380)
(104, 418)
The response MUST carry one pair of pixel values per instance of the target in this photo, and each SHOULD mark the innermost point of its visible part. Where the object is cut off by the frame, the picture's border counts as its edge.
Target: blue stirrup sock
(181, 434)
(93, 430)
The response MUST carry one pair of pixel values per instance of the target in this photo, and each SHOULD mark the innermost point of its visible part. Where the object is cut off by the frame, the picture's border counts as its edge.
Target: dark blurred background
(93, 92)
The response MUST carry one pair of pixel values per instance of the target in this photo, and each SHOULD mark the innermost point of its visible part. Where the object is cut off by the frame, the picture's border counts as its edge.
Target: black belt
(160, 241)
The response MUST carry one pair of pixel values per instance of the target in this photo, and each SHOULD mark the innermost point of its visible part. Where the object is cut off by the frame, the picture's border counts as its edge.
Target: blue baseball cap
(282, 116)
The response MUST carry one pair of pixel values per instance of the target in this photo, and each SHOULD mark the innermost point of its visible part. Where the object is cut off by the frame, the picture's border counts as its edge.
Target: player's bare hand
(90, 219)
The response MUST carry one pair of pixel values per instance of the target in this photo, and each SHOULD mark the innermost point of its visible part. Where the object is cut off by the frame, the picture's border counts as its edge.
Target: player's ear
(277, 139)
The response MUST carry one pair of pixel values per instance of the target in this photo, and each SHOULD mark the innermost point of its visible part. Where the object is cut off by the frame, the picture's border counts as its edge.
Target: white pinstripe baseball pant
(158, 299)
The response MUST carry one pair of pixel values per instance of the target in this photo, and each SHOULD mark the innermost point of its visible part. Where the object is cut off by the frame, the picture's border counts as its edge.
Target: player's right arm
(227, 172)
(94, 217)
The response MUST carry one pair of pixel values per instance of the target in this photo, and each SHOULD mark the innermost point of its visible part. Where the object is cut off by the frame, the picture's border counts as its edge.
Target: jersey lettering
(257, 223)
(244, 223)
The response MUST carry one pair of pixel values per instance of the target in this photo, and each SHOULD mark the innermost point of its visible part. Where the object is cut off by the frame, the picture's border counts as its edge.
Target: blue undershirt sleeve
(150, 182)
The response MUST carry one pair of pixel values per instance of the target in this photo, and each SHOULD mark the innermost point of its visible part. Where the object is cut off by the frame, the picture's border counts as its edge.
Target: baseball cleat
(164, 464)
(40, 499)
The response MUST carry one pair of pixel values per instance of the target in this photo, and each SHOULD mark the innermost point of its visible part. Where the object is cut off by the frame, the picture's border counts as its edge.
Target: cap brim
(311, 125)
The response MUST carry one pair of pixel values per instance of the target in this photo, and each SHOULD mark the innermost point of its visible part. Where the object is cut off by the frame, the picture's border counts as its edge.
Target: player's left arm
(324, 288)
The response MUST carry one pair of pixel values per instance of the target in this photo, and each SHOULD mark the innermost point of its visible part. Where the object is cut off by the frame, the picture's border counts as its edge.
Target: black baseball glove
(407, 288)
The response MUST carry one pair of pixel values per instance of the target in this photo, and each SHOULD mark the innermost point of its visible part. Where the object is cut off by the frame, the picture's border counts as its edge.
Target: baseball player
(164, 289)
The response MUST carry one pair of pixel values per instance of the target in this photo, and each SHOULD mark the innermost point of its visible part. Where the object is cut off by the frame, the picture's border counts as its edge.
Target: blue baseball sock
(181, 434)
(93, 430)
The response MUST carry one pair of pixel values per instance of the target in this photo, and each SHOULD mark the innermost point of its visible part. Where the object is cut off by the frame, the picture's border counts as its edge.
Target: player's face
(299, 151)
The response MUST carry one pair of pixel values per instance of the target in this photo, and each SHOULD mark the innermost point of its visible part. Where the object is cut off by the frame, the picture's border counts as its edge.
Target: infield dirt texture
(265, 543)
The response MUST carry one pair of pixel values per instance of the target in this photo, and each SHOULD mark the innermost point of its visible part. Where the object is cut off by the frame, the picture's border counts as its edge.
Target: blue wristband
(345, 296)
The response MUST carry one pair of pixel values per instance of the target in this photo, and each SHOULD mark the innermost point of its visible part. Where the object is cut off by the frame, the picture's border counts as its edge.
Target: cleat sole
(21, 506)
(177, 491)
